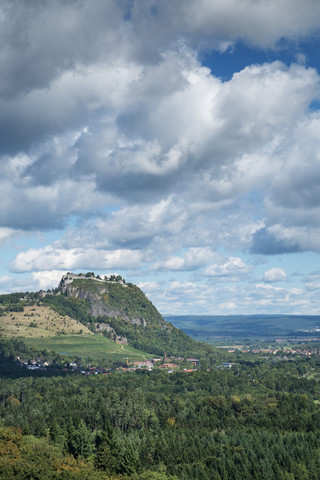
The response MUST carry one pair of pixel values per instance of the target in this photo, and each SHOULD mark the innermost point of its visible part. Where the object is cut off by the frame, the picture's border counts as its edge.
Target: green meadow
(88, 346)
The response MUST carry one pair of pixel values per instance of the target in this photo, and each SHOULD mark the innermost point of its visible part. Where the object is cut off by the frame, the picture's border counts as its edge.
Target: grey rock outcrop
(97, 306)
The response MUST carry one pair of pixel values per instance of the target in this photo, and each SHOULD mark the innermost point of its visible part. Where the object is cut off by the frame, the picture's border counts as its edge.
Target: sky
(173, 142)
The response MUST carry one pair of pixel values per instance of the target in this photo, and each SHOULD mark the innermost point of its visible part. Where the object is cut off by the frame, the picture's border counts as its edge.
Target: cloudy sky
(175, 142)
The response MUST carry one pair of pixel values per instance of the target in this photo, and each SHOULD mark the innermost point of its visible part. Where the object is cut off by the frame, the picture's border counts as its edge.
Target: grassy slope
(47, 334)
(88, 346)
(53, 315)
(48, 323)
(157, 336)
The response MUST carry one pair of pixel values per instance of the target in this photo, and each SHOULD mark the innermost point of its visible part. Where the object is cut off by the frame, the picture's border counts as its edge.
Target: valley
(229, 329)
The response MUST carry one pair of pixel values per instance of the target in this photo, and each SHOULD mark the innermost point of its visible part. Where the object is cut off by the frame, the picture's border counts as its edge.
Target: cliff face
(111, 299)
(124, 314)
(110, 307)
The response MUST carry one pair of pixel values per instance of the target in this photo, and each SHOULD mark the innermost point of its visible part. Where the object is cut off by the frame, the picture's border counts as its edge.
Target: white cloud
(32, 283)
(260, 23)
(208, 24)
(278, 238)
(6, 234)
(126, 118)
(48, 258)
(313, 286)
(47, 279)
(192, 259)
(275, 274)
(187, 298)
(233, 267)
(227, 306)
(145, 145)
(133, 227)
(4, 280)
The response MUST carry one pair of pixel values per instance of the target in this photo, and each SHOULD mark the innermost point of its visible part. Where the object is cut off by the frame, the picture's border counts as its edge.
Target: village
(163, 363)
(276, 351)
(168, 364)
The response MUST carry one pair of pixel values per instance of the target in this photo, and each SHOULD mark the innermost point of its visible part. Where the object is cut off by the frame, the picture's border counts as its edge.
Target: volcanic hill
(86, 303)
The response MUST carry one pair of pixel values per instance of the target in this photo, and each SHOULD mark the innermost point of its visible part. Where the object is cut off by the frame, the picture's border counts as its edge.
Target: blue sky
(175, 143)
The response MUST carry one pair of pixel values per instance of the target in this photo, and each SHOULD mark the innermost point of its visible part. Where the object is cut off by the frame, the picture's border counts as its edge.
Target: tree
(81, 441)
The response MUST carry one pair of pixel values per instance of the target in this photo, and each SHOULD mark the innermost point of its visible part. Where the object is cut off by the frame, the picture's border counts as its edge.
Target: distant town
(167, 364)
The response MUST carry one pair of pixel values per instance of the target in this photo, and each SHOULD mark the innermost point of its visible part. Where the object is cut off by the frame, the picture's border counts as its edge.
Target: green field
(88, 346)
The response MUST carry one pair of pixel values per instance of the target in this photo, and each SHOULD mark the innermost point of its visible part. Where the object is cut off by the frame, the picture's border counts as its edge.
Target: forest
(258, 419)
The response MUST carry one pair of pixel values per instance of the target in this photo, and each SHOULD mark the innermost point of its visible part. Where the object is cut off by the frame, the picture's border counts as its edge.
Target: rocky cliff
(112, 299)
(122, 312)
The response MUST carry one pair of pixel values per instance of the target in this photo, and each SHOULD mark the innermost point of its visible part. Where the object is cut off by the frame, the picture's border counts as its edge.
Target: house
(225, 365)
(168, 365)
(195, 361)
(143, 364)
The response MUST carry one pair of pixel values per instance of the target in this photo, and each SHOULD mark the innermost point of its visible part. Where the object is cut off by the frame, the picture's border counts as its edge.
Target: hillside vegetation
(39, 321)
(128, 314)
(88, 305)
(96, 348)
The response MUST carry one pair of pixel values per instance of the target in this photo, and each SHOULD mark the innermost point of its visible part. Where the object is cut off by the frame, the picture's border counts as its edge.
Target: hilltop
(86, 304)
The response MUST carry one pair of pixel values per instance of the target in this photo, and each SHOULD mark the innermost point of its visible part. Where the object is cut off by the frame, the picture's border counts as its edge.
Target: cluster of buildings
(286, 351)
(36, 364)
(275, 351)
(170, 364)
(165, 363)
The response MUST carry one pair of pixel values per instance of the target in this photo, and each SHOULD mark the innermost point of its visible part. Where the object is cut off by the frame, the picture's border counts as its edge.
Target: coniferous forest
(257, 419)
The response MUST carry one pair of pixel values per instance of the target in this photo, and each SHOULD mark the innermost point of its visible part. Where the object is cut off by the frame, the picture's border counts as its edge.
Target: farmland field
(89, 346)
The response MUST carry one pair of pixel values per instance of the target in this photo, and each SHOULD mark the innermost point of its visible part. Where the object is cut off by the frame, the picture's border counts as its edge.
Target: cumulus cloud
(182, 235)
(208, 23)
(136, 130)
(131, 227)
(105, 163)
(181, 296)
(112, 126)
(178, 297)
(275, 274)
(267, 297)
(54, 258)
(9, 284)
(6, 235)
(46, 206)
(232, 267)
(43, 40)
(193, 259)
(79, 57)
(47, 279)
(199, 129)
(277, 239)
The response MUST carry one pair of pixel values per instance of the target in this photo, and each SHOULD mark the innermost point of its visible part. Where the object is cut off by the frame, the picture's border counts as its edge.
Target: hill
(214, 328)
(86, 304)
